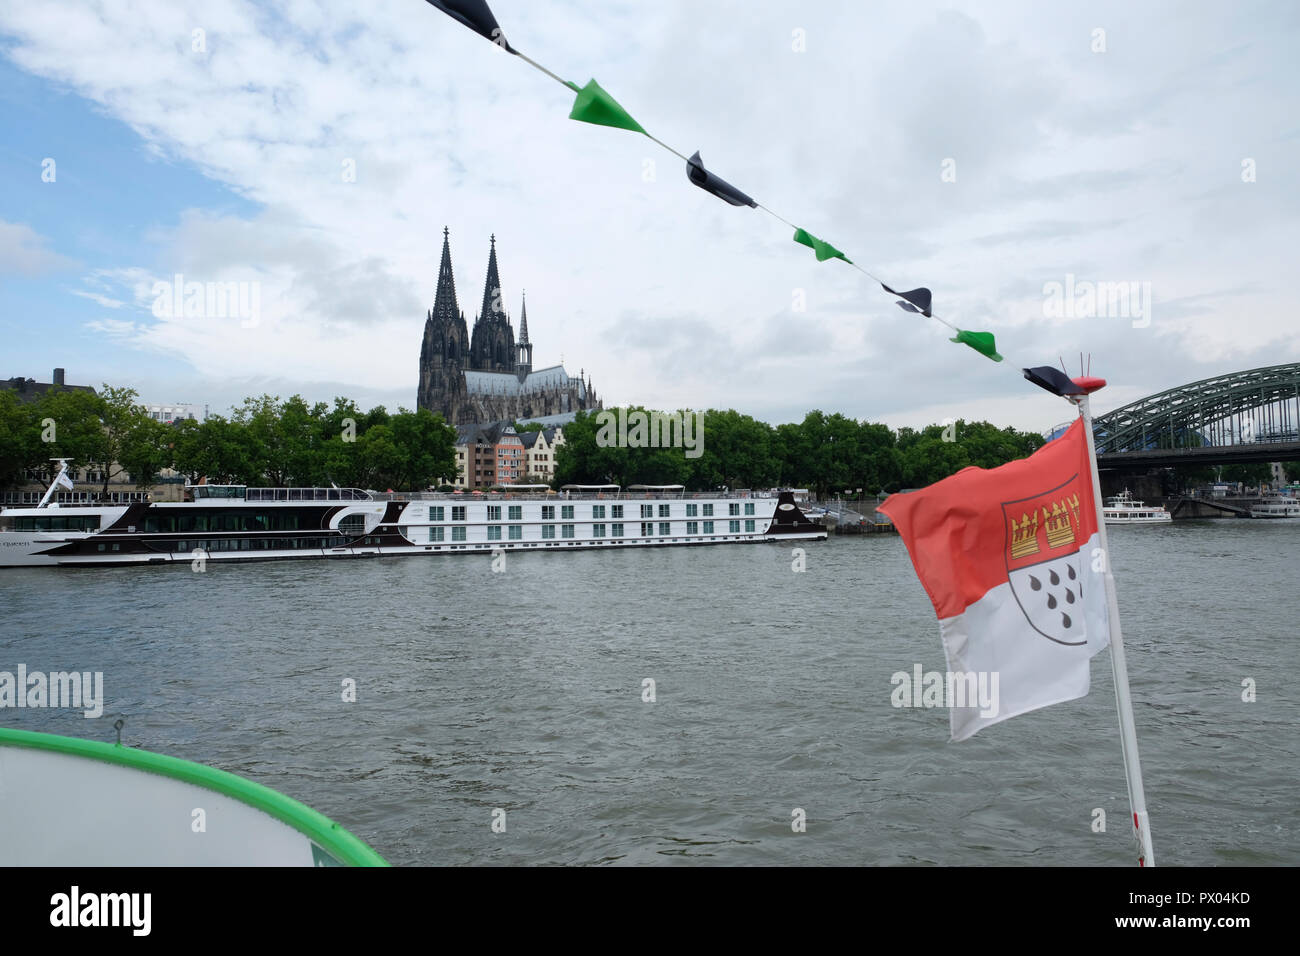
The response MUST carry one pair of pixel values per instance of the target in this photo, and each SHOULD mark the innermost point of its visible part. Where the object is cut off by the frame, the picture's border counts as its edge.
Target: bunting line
(593, 104)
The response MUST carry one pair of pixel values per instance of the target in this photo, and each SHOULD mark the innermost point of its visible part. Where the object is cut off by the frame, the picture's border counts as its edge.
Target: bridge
(1251, 416)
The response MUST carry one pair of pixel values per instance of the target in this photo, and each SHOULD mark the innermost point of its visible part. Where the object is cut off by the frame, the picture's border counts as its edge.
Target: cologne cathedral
(486, 375)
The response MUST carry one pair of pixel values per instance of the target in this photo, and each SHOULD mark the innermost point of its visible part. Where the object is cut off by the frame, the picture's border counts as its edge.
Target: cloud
(1124, 165)
(24, 252)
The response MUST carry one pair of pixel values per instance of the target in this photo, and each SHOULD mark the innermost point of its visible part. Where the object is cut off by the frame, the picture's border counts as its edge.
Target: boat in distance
(1279, 507)
(1124, 509)
(230, 523)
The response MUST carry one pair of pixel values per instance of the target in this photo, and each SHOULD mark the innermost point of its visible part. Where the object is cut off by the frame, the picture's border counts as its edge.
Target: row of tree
(287, 443)
(263, 441)
(825, 453)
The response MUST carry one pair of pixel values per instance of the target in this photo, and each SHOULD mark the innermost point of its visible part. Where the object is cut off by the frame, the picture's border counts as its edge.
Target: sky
(312, 151)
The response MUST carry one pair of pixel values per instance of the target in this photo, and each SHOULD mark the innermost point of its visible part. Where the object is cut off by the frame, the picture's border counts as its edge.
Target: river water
(522, 691)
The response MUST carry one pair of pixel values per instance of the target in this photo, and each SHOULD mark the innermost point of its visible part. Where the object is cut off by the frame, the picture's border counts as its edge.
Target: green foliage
(1250, 474)
(20, 438)
(825, 453)
(263, 442)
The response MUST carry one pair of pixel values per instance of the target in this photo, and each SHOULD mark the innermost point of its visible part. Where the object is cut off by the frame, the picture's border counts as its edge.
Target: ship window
(457, 534)
(692, 511)
(435, 534)
(598, 512)
(749, 526)
(548, 530)
(616, 531)
(749, 508)
(708, 525)
(663, 528)
(616, 511)
(647, 511)
(494, 513)
(647, 529)
(516, 513)
(494, 531)
(708, 511)
(516, 532)
(457, 512)
(352, 524)
(566, 530)
(437, 513)
(733, 508)
(548, 512)
(566, 511)
(692, 527)
(54, 523)
(598, 531)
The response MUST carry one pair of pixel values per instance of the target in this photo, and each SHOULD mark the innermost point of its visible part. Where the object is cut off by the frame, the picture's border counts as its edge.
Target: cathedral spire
(523, 321)
(492, 288)
(445, 308)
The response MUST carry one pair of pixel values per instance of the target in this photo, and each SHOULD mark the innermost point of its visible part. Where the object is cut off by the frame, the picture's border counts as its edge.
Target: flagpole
(1123, 701)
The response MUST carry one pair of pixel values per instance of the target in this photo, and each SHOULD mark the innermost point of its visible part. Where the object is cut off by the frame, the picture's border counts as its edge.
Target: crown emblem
(1060, 529)
(1024, 535)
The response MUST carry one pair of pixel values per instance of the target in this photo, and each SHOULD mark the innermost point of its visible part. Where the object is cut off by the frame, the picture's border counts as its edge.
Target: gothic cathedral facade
(485, 375)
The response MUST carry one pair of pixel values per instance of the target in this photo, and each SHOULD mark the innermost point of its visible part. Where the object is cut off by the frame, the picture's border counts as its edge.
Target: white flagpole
(1123, 702)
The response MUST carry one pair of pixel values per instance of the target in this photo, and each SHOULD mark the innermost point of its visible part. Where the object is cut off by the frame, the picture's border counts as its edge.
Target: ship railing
(74, 499)
(306, 494)
(568, 496)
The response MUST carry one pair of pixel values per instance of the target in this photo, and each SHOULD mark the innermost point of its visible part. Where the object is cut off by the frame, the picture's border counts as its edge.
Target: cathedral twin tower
(487, 376)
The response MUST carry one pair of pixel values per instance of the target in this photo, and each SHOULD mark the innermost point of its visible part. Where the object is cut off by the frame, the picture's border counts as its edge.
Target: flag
(824, 250)
(1011, 560)
(981, 342)
(63, 481)
(476, 15)
(707, 181)
(594, 105)
(918, 300)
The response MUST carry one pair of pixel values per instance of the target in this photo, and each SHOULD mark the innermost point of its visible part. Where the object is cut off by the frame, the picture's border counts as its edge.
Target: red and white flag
(1011, 560)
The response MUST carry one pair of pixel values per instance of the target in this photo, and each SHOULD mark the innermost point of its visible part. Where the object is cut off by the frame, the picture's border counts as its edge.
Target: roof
(508, 383)
(489, 434)
(29, 390)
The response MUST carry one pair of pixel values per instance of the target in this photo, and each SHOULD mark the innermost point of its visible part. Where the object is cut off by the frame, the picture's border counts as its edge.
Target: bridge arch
(1257, 408)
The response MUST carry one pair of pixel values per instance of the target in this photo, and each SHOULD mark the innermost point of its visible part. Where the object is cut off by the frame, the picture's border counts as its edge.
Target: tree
(20, 438)
(77, 424)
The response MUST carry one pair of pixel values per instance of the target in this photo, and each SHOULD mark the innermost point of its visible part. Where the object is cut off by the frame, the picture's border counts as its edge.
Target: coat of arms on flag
(1042, 558)
(1011, 560)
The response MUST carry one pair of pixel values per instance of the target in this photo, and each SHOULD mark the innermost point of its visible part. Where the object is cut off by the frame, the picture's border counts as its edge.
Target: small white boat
(1124, 509)
(70, 802)
(1276, 508)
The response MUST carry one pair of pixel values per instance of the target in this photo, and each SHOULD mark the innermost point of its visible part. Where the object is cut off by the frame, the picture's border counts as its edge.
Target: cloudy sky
(314, 150)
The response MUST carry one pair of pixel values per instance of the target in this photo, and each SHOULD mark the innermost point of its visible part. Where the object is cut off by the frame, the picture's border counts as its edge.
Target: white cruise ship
(1279, 507)
(1123, 509)
(239, 523)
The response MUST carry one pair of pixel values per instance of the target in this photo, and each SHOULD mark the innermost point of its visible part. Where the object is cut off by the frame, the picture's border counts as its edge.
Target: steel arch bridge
(1246, 416)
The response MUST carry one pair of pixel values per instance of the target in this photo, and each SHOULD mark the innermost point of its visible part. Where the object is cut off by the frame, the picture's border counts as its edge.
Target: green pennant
(594, 105)
(824, 250)
(981, 342)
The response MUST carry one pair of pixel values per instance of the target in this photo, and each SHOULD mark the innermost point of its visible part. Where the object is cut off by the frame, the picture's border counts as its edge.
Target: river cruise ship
(237, 523)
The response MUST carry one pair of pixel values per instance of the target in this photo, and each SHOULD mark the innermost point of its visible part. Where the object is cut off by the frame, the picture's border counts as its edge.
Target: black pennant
(476, 15)
(710, 183)
(1054, 380)
(919, 299)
